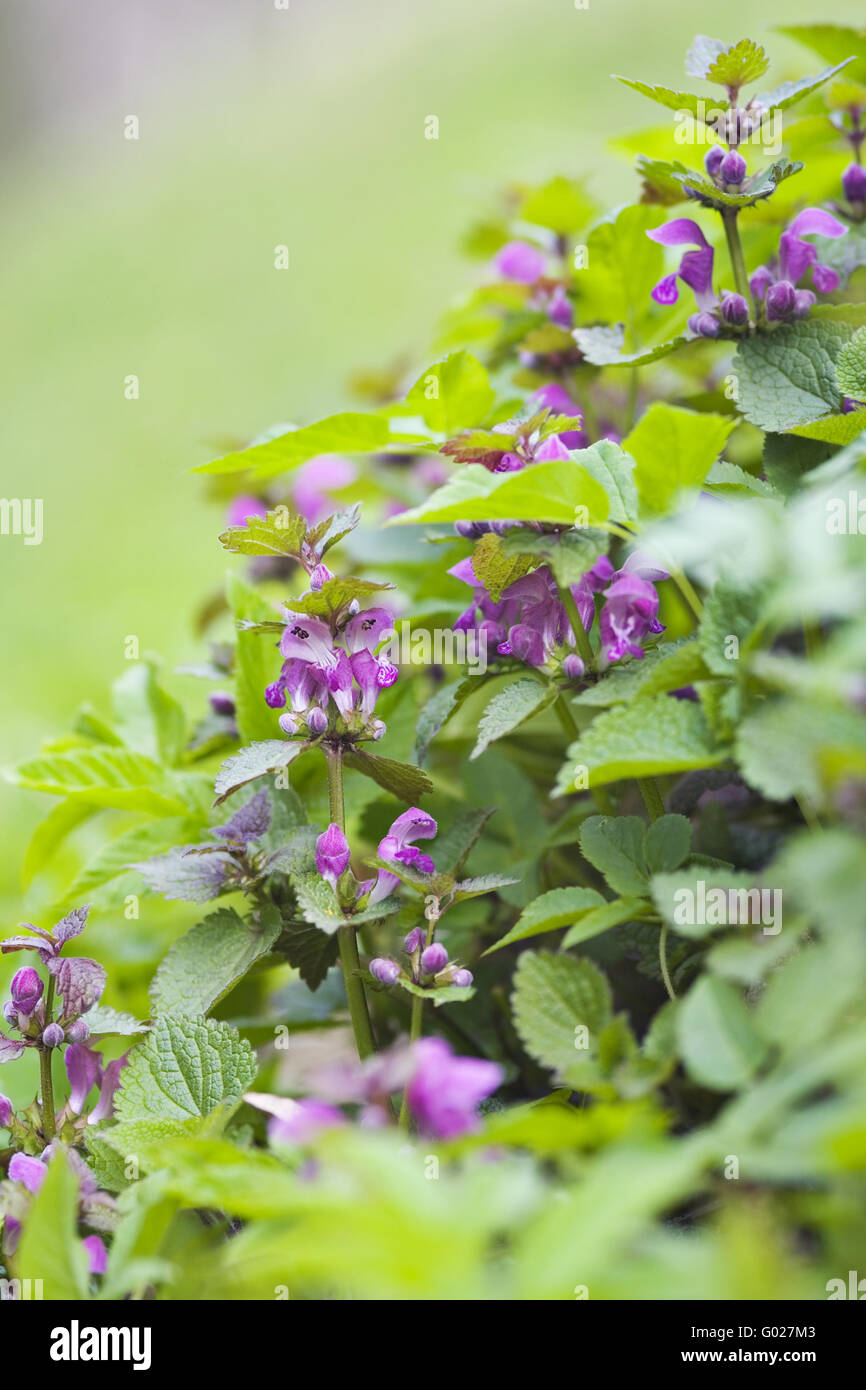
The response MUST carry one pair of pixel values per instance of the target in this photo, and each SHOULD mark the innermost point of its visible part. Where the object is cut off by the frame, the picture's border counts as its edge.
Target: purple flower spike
(387, 972)
(30, 1171)
(52, 1036)
(26, 990)
(433, 959)
(332, 854)
(854, 183)
(83, 1070)
(445, 1091)
(696, 267)
(520, 261)
(97, 1255)
(732, 168)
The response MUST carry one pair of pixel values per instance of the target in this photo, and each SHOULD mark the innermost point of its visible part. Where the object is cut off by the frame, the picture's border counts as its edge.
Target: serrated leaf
(334, 596)
(452, 393)
(615, 846)
(554, 996)
(851, 367)
(743, 62)
(281, 532)
(436, 713)
(495, 567)
(509, 709)
(665, 96)
(788, 378)
(653, 735)
(214, 955)
(258, 760)
(185, 1069)
(717, 1038)
(789, 93)
(476, 887)
(667, 843)
(311, 951)
(146, 717)
(558, 908)
(730, 611)
(105, 1022)
(551, 491)
(568, 553)
(403, 780)
(835, 429)
(103, 777)
(614, 469)
(115, 857)
(780, 747)
(603, 347)
(436, 994)
(600, 919)
(670, 666)
(674, 449)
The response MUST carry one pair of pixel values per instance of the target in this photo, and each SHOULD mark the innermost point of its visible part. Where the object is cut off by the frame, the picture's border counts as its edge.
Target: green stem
(572, 733)
(346, 937)
(649, 790)
(416, 1022)
(581, 636)
(631, 405)
(663, 962)
(46, 1081)
(735, 250)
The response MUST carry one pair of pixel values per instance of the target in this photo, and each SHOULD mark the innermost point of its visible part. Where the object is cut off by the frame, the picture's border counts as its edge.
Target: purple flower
(854, 183)
(308, 639)
(83, 1070)
(97, 1255)
(704, 325)
(30, 1171)
(295, 1121)
(462, 978)
(108, 1084)
(332, 854)
(629, 614)
(242, 507)
(387, 972)
(573, 667)
(221, 702)
(399, 847)
(712, 160)
(78, 1032)
(695, 268)
(735, 309)
(520, 261)
(433, 959)
(555, 398)
(414, 940)
(445, 1091)
(315, 479)
(776, 284)
(26, 990)
(11, 1048)
(53, 1035)
(6, 1112)
(732, 168)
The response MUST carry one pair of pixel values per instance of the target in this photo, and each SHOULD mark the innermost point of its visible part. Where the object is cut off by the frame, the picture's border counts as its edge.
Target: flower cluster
(333, 856)
(77, 981)
(530, 621)
(428, 964)
(330, 671)
(26, 1174)
(775, 284)
(443, 1092)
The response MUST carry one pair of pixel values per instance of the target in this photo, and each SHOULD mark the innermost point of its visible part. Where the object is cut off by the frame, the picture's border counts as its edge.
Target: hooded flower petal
(30, 1171)
(445, 1091)
(332, 854)
(83, 1069)
(308, 639)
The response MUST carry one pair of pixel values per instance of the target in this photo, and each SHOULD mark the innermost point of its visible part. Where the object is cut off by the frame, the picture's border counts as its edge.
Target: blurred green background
(258, 126)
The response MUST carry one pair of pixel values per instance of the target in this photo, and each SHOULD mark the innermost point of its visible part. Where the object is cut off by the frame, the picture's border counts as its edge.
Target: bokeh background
(155, 257)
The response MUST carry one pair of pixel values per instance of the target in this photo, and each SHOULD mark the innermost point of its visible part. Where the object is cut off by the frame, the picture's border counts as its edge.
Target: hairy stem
(735, 250)
(346, 938)
(46, 1081)
(581, 636)
(663, 961)
(649, 790)
(416, 1023)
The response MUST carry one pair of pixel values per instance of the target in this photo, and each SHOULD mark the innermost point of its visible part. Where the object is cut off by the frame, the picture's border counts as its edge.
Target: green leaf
(560, 205)
(667, 844)
(669, 666)
(568, 553)
(103, 777)
(256, 662)
(717, 1039)
(835, 429)
(50, 1249)
(453, 393)
(335, 596)
(403, 780)
(437, 995)
(280, 533)
(495, 567)
(781, 746)
(554, 996)
(148, 720)
(603, 347)
(258, 760)
(615, 846)
(552, 491)
(436, 713)
(788, 378)
(702, 54)
(851, 367)
(214, 955)
(600, 919)
(789, 93)
(674, 101)
(729, 612)
(674, 449)
(310, 950)
(105, 1022)
(50, 833)
(187, 1068)
(509, 709)
(625, 265)
(476, 887)
(116, 857)
(614, 469)
(559, 908)
(348, 433)
(653, 735)
(733, 67)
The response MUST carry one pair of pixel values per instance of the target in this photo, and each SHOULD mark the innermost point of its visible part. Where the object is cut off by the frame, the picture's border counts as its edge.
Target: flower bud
(223, 703)
(468, 530)
(52, 1035)
(332, 854)
(712, 160)
(10, 1013)
(433, 958)
(854, 183)
(377, 728)
(573, 667)
(705, 325)
(77, 1032)
(275, 695)
(462, 978)
(735, 310)
(30, 1171)
(5, 1112)
(732, 168)
(26, 990)
(414, 940)
(319, 576)
(387, 972)
(288, 723)
(317, 721)
(780, 300)
(97, 1255)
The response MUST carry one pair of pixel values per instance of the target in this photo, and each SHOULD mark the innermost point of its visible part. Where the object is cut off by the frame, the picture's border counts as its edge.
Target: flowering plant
(540, 879)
